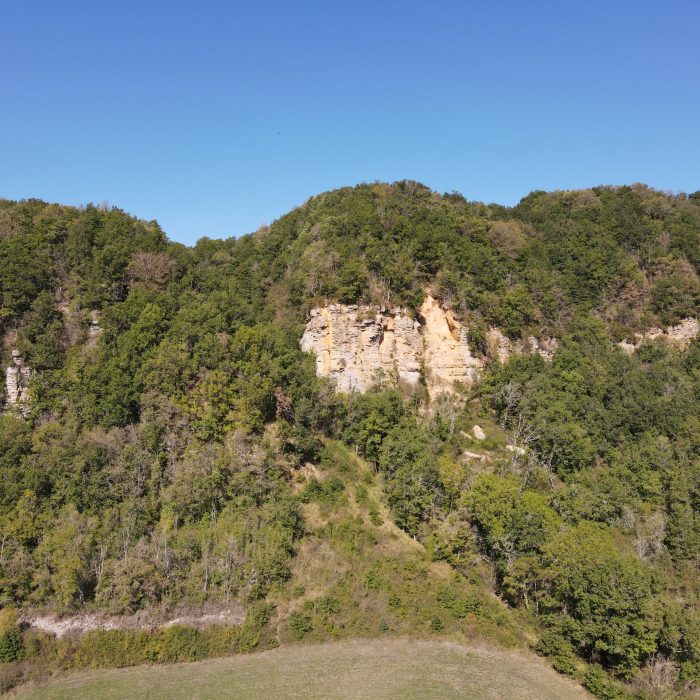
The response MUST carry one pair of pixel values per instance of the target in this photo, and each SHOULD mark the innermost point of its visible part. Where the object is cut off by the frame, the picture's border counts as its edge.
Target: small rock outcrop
(94, 330)
(17, 377)
(681, 335)
(359, 346)
(502, 347)
(141, 620)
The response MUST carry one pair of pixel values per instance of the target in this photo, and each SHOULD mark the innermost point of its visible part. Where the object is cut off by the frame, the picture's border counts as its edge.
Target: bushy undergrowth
(172, 413)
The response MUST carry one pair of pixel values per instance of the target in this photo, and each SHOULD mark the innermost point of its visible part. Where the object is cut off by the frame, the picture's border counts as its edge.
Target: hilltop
(178, 471)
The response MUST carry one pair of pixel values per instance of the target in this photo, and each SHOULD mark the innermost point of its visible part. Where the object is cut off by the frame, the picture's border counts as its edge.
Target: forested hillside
(178, 452)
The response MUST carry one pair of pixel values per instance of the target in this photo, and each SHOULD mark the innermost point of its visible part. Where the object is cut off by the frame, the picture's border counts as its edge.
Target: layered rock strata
(360, 346)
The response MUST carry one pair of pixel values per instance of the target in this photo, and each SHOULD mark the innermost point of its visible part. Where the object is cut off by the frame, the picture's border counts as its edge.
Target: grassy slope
(359, 578)
(379, 581)
(351, 669)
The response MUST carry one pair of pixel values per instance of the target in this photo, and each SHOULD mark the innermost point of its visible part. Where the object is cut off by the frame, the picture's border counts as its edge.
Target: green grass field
(350, 669)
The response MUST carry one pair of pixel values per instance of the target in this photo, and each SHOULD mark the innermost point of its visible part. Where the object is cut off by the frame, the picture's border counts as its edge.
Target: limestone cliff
(17, 377)
(360, 346)
(446, 354)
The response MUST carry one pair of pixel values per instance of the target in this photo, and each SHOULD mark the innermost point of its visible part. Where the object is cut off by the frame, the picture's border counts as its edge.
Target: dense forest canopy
(172, 413)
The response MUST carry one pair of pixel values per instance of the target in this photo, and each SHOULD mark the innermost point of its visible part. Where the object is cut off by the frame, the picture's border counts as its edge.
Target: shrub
(11, 647)
(328, 606)
(457, 604)
(599, 683)
(299, 625)
(327, 492)
(559, 650)
(437, 625)
(373, 581)
(178, 643)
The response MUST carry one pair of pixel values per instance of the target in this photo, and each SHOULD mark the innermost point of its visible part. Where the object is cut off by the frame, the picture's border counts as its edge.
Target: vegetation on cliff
(180, 451)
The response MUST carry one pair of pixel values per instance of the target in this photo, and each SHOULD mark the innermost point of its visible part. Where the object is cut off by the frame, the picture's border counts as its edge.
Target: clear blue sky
(217, 117)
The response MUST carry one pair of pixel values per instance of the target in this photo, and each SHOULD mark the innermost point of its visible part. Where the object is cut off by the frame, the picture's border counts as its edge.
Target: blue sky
(217, 117)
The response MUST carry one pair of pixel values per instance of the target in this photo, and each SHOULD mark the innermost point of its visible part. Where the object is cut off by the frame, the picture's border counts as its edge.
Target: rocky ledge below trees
(682, 334)
(142, 620)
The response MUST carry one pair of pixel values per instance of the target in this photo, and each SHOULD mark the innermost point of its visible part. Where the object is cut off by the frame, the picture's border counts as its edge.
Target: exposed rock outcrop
(681, 334)
(94, 330)
(502, 347)
(94, 327)
(142, 620)
(17, 377)
(360, 346)
(447, 356)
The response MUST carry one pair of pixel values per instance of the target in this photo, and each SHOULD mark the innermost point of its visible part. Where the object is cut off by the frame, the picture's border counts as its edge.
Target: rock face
(682, 335)
(17, 377)
(360, 346)
(447, 357)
